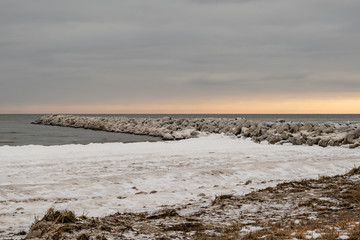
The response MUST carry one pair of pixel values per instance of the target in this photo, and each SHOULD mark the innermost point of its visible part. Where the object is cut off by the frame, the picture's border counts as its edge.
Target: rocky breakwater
(279, 132)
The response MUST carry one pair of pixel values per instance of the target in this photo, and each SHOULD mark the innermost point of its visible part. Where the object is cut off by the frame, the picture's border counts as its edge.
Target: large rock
(282, 128)
(357, 133)
(323, 142)
(312, 140)
(329, 130)
(294, 127)
(272, 139)
(307, 127)
(354, 145)
(166, 119)
(298, 140)
(334, 142)
(349, 138)
(167, 136)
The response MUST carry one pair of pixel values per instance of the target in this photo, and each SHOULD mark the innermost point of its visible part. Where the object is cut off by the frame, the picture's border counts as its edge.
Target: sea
(17, 130)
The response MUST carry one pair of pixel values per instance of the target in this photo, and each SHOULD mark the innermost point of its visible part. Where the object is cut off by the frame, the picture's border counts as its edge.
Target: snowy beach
(100, 179)
(186, 120)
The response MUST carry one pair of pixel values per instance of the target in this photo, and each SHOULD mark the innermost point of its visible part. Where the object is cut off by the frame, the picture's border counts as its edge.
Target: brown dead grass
(220, 199)
(56, 216)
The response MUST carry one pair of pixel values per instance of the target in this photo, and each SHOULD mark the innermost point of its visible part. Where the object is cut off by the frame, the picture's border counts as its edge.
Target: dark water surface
(17, 130)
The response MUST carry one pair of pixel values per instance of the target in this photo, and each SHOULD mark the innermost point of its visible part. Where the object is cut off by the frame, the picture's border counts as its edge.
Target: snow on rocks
(279, 132)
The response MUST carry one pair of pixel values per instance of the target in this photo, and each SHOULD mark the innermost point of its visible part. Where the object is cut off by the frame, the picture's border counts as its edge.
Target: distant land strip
(277, 132)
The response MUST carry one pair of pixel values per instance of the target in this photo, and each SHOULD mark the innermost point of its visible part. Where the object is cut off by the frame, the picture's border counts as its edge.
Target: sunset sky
(180, 56)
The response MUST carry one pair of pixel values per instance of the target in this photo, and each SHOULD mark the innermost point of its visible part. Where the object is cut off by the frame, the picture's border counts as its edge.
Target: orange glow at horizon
(350, 105)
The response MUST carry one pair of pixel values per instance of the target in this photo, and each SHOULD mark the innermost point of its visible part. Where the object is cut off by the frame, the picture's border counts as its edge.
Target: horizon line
(181, 113)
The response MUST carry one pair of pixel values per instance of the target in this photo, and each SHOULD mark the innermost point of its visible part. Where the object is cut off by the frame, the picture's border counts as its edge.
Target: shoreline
(101, 179)
(278, 132)
(322, 208)
(208, 174)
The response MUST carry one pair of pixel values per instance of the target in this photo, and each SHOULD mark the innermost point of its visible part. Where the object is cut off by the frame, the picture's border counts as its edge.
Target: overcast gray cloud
(114, 52)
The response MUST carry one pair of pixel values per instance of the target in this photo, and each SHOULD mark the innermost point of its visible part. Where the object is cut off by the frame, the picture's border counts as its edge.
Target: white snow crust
(100, 179)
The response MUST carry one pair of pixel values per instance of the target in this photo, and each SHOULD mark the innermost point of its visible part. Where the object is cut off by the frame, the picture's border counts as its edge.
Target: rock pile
(279, 132)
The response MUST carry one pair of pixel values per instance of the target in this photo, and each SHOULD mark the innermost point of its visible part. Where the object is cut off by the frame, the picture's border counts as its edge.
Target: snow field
(100, 179)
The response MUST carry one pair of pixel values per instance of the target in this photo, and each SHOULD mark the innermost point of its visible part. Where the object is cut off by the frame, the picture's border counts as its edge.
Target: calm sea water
(17, 130)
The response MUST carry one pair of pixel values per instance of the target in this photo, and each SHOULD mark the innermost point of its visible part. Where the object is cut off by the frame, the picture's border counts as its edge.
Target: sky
(180, 56)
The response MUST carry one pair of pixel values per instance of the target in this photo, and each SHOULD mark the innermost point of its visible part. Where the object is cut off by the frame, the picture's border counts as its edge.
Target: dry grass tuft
(354, 171)
(164, 213)
(64, 216)
(186, 227)
(220, 199)
(352, 195)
